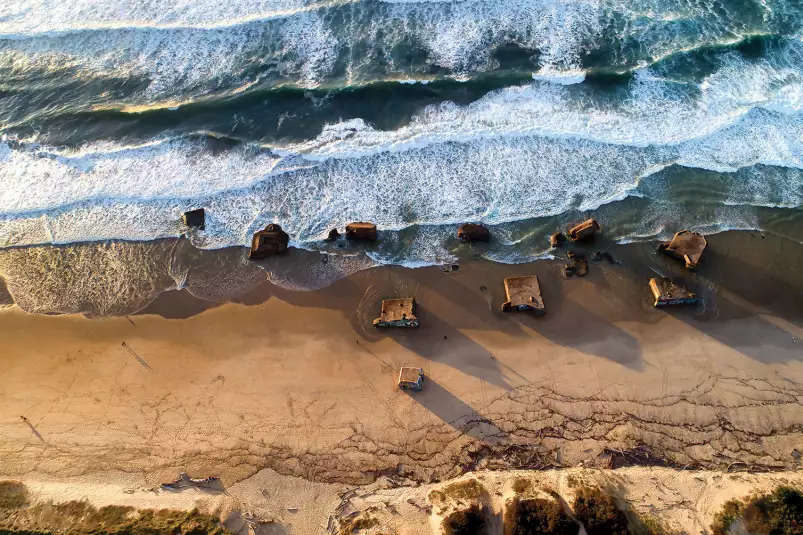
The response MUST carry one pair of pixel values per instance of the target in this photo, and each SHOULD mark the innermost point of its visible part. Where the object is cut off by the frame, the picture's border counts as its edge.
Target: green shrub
(469, 521)
(777, 513)
(537, 517)
(598, 512)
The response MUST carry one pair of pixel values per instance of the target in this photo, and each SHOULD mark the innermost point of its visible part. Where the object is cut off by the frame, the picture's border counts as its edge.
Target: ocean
(525, 115)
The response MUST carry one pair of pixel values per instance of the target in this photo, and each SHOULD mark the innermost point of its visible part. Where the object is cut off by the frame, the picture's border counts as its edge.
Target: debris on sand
(397, 313)
(599, 256)
(668, 292)
(194, 219)
(361, 231)
(523, 293)
(471, 232)
(272, 240)
(687, 246)
(579, 265)
(585, 231)
(185, 481)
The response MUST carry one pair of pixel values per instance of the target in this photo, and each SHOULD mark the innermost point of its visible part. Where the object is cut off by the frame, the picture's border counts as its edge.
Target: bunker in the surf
(523, 294)
(361, 231)
(194, 219)
(557, 239)
(669, 292)
(585, 231)
(473, 232)
(687, 246)
(270, 241)
(397, 313)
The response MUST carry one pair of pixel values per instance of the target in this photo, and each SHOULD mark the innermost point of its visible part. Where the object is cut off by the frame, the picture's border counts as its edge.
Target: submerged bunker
(523, 293)
(361, 231)
(585, 231)
(194, 219)
(687, 246)
(471, 232)
(272, 240)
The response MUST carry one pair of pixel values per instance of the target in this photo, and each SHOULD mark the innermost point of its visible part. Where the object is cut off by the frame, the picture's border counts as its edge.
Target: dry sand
(685, 501)
(301, 384)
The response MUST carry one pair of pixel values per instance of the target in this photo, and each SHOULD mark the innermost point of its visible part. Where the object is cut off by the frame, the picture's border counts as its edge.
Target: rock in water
(471, 232)
(333, 235)
(272, 240)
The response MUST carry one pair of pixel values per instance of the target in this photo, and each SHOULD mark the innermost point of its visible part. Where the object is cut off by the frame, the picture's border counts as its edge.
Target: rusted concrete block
(194, 219)
(412, 378)
(397, 313)
(470, 232)
(687, 246)
(272, 240)
(523, 293)
(361, 231)
(668, 292)
(557, 239)
(585, 231)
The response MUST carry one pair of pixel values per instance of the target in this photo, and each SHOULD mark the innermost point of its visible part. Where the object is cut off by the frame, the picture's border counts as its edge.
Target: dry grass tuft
(13, 495)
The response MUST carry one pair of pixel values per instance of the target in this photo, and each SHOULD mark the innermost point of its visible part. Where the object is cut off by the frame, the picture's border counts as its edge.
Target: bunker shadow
(455, 412)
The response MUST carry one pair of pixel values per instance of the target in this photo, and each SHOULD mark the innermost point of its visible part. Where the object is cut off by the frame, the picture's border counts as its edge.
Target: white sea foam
(518, 153)
(562, 78)
(656, 114)
(201, 46)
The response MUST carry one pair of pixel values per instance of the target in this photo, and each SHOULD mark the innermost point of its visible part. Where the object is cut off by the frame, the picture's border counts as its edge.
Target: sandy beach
(301, 384)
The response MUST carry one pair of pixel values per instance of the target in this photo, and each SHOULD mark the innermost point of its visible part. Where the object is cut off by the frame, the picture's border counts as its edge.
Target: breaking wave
(119, 116)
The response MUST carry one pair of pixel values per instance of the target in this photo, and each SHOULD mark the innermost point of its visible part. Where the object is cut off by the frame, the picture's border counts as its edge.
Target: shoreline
(134, 277)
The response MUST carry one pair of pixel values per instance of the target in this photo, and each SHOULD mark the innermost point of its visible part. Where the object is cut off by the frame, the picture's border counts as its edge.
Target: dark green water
(526, 115)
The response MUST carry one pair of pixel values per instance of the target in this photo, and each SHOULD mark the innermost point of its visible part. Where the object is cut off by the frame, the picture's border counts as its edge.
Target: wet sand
(300, 382)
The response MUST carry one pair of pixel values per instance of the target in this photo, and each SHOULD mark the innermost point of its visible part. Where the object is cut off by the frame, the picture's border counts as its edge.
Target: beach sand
(301, 384)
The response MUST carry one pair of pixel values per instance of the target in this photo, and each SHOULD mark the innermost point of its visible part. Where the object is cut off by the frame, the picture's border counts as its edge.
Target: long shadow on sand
(761, 286)
(359, 298)
(455, 412)
(438, 341)
(570, 324)
(748, 333)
